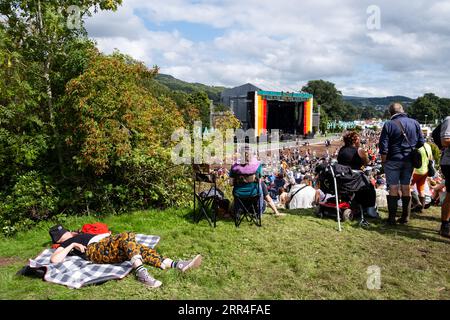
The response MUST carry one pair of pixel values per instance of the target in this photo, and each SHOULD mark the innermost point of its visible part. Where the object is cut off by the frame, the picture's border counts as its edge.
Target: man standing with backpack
(445, 168)
(398, 139)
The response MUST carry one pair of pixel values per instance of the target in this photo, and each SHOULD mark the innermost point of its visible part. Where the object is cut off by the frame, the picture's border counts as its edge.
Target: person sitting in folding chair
(249, 191)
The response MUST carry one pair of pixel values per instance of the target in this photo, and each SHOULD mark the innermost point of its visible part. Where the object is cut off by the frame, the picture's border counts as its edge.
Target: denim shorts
(398, 172)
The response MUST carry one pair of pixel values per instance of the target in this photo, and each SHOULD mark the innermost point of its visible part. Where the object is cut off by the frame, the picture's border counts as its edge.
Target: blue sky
(286, 43)
(197, 32)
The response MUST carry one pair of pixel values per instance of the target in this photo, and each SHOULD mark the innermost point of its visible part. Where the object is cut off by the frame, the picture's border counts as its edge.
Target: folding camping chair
(206, 200)
(249, 208)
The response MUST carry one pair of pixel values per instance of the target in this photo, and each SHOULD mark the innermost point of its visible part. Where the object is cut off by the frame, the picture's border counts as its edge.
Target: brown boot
(406, 210)
(392, 202)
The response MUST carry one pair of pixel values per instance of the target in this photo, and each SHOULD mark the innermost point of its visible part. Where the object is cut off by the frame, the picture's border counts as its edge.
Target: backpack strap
(400, 125)
(426, 152)
(295, 194)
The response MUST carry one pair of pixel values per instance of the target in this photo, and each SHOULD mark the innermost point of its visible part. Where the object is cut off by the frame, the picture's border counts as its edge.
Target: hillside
(176, 84)
(215, 91)
(377, 102)
(296, 257)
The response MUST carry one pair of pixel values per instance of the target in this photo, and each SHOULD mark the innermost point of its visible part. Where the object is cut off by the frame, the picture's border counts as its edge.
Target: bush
(115, 143)
(32, 198)
(436, 153)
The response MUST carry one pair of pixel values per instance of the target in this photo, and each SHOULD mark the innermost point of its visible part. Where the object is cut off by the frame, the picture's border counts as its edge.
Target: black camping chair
(206, 201)
(249, 208)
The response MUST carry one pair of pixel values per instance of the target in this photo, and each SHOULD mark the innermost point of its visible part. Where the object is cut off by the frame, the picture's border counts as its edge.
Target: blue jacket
(393, 143)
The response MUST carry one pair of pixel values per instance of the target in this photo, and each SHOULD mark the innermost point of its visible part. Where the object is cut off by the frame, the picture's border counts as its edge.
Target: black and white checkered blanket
(75, 272)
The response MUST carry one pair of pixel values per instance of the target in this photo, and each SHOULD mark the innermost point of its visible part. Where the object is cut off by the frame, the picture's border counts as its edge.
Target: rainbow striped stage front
(288, 112)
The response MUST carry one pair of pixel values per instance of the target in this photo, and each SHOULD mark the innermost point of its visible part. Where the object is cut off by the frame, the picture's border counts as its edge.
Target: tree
(201, 102)
(40, 40)
(111, 115)
(227, 120)
(328, 97)
(425, 108)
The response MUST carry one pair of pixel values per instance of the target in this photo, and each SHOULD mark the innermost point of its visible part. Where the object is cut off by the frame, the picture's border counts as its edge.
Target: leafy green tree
(202, 103)
(227, 120)
(425, 108)
(118, 137)
(40, 33)
(329, 98)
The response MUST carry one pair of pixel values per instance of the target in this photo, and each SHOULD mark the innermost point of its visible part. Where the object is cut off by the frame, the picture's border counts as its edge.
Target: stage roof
(285, 96)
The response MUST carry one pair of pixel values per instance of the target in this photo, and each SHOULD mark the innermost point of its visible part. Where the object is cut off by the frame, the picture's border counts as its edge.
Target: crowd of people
(388, 162)
(384, 158)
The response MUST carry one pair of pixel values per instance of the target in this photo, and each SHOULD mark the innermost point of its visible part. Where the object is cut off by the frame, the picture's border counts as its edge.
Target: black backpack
(436, 135)
(416, 157)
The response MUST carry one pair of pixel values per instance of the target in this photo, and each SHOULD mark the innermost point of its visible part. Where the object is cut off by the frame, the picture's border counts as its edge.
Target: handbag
(416, 157)
(431, 168)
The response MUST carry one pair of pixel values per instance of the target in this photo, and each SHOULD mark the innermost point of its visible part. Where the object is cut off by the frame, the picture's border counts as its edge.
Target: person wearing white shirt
(302, 195)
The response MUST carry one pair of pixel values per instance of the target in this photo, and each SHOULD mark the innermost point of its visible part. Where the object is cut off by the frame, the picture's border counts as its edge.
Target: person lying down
(110, 249)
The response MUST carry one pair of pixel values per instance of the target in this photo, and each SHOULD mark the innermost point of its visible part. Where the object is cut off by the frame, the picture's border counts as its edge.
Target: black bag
(431, 169)
(416, 157)
(436, 135)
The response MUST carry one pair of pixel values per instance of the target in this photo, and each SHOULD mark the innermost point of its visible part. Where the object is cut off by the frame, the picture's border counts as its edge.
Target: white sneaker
(186, 265)
(144, 277)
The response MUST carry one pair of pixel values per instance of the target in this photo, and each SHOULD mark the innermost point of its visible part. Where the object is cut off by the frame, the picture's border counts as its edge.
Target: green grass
(295, 257)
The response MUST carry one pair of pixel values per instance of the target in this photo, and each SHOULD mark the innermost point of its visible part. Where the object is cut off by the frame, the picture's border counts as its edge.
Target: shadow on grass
(413, 232)
(380, 226)
(423, 216)
(299, 212)
(190, 218)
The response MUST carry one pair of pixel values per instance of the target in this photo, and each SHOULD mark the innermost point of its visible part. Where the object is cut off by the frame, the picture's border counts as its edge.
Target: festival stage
(291, 113)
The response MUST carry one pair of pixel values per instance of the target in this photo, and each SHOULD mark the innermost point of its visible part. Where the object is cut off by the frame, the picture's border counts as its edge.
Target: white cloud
(287, 42)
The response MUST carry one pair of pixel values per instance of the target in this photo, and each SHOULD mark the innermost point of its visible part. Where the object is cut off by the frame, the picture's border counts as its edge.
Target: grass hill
(377, 102)
(179, 85)
(299, 256)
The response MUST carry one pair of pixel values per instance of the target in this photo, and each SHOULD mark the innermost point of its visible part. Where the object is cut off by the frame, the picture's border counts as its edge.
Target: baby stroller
(350, 182)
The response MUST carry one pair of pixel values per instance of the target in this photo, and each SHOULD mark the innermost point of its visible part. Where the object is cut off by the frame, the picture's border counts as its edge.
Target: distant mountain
(188, 87)
(377, 102)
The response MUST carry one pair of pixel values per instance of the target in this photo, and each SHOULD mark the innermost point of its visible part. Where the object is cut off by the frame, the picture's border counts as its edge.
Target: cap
(57, 232)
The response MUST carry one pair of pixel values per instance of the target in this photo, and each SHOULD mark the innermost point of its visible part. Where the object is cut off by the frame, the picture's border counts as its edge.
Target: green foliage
(327, 96)
(332, 105)
(202, 102)
(227, 120)
(436, 153)
(32, 198)
(213, 92)
(429, 108)
(121, 135)
(81, 132)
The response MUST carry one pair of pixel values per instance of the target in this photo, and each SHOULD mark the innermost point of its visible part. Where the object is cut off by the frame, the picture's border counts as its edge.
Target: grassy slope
(176, 84)
(295, 257)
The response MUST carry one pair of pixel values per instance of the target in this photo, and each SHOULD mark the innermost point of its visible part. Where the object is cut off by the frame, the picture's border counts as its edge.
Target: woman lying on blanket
(107, 248)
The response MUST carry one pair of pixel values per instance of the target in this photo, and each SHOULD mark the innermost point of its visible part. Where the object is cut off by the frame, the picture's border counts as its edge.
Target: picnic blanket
(75, 272)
